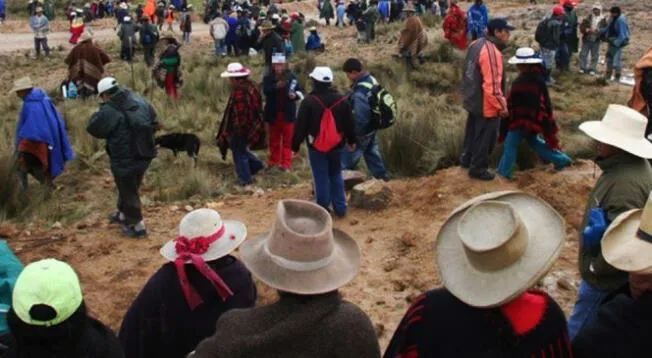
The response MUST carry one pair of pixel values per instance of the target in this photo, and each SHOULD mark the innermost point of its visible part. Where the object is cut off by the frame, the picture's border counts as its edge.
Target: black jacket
(646, 91)
(270, 44)
(622, 329)
(309, 118)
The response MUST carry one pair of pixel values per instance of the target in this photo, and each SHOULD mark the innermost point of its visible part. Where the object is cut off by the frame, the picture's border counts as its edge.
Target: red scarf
(192, 250)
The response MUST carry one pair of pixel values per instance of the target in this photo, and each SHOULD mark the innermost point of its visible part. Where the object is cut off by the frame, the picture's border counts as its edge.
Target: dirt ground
(397, 244)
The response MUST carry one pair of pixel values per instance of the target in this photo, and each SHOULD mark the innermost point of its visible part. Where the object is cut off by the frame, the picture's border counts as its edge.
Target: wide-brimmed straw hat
(235, 69)
(621, 127)
(21, 84)
(627, 244)
(497, 246)
(302, 253)
(207, 223)
(526, 56)
(266, 25)
(409, 8)
(312, 28)
(168, 35)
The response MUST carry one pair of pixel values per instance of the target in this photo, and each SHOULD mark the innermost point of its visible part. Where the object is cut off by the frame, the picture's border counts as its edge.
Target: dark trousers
(32, 165)
(149, 54)
(246, 163)
(42, 43)
(479, 141)
(129, 197)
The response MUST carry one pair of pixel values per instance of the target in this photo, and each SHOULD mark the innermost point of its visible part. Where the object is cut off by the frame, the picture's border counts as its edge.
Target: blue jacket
(384, 8)
(341, 11)
(2, 6)
(621, 28)
(314, 41)
(271, 100)
(41, 122)
(230, 35)
(10, 268)
(478, 18)
(360, 103)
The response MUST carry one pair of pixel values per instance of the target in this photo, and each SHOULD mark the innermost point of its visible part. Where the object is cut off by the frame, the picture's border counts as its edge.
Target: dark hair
(320, 86)
(615, 10)
(112, 91)
(352, 65)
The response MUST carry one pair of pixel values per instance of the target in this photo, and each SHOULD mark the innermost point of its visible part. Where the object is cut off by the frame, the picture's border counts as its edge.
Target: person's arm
(623, 33)
(269, 84)
(348, 125)
(646, 88)
(101, 125)
(491, 78)
(301, 126)
(410, 333)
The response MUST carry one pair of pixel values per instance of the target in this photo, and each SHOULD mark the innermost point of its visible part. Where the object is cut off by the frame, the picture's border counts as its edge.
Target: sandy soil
(397, 244)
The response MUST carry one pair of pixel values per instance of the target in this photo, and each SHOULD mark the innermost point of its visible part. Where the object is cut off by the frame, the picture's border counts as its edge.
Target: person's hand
(292, 96)
(351, 147)
(504, 113)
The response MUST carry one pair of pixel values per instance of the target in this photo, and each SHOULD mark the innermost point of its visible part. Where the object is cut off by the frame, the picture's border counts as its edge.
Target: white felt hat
(235, 69)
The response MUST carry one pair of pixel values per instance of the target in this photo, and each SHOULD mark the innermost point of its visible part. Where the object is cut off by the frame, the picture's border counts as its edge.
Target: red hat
(294, 15)
(558, 10)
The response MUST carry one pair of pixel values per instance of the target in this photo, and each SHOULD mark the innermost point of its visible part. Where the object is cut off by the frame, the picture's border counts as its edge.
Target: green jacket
(625, 184)
(326, 11)
(110, 123)
(298, 38)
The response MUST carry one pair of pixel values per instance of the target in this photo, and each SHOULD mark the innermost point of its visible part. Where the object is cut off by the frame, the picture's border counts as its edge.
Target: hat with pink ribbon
(235, 69)
(203, 237)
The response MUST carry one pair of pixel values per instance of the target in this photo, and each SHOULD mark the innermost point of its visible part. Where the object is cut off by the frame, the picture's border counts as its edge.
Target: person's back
(439, 325)
(553, 27)
(483, 68)
(160, 323)
(307, 326)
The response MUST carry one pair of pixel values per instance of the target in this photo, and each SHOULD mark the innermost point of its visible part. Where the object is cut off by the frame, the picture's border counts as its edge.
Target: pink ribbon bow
(192, 250)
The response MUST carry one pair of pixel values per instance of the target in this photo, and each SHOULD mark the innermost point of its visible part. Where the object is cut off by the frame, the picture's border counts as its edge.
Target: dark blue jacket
(41, 122)
(230, 35)
(360, 103)
(159, 322)
(314, 42)
(271, 99)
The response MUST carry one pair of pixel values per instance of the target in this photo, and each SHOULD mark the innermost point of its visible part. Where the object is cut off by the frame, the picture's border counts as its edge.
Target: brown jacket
(295, 326)
(637, 101)
(413, 36)
(86, 64)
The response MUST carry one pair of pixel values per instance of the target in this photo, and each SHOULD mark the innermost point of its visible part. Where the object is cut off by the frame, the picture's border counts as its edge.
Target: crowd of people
(490, 251)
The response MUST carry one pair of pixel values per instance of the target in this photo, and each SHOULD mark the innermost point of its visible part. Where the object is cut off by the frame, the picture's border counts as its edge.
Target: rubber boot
(607, 75)
(618, 75)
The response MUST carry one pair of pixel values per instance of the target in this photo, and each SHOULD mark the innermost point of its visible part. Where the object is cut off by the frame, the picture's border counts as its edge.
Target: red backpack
(328, 137)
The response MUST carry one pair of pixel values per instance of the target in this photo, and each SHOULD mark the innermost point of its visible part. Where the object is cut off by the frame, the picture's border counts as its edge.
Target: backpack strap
(321, 103)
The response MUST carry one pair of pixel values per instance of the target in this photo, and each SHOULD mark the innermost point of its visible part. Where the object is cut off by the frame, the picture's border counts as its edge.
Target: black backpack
(141, 131)
(542, 34)
(384, 110)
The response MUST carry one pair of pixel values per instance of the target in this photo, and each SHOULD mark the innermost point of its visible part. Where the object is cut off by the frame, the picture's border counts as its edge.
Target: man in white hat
(42, 144)
(622, 326)
(41, 26)
(491, 251)
(182, 301)
(127, 122)
(242, 126)
(590, 29)
(624, 185)
(282, 92)
(307, 261)
(325, 122)
(127, 35)
(531, 116)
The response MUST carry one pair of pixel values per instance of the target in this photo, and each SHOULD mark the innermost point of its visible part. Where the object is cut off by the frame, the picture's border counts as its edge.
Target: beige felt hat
(302, 253)
(497, 246)
(23, 83)
(266, 25)
(168, 35)
(627, 244)
(206, 223)
(621, 127)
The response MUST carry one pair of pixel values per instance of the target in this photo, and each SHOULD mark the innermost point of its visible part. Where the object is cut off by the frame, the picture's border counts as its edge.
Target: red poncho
(76, 29)
(455, 27)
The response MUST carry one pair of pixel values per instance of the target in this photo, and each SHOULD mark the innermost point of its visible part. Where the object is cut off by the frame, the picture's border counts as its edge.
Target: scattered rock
(408, 239)
(28, 233)
(352, 178)
(259, 193)
(373, 195)
(57, 226)
(380, 329)
(564, 284)
(214, 205)
(399, 286)
(188, 208)
(174, 208)
(354, 222)
(82, 226)
(369, 240)
(390, 265)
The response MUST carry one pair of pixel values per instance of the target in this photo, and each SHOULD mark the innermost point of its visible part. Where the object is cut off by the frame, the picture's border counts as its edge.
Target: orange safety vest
(170, 18)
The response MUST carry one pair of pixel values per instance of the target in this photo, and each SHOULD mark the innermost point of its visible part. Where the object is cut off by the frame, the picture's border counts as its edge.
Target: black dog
(179, 142)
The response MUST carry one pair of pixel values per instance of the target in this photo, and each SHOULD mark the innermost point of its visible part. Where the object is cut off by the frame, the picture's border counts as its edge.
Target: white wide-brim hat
(497, 246)
(627, 243)
(526, 56)
(621, 127)
(204, 223)
(302, 253)
(235, 69)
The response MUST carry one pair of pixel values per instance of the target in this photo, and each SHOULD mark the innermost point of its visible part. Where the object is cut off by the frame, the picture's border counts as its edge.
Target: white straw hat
(235, 69)
(497, 246)
(526, 56)
(621, 127)
(206, 223)
(627, 244)
(21, 84)
(302, 253)
(322, 74)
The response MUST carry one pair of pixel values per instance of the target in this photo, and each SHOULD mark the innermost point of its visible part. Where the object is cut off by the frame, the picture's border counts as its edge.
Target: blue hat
(499, 24)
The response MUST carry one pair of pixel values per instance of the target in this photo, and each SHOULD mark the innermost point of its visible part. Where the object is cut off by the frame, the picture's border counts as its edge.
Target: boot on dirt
(117, 217)
(618, 76)
(607, 75)
(135, 231)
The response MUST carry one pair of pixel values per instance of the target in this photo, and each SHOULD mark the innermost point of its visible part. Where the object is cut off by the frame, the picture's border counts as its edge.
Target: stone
(354, 222)
(380, 329)
(174, 208)
(352, 178)
(82, 226)
(259, 193)
(408, 239)
(57, 226)
(372, 195)
(214, 205)
(188, 208)
(564, 284)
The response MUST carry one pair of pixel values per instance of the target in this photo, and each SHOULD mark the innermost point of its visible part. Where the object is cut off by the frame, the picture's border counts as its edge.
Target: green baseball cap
(47, 293)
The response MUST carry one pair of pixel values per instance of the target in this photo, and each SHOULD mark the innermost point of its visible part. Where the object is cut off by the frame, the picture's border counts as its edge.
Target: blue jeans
(367, 146)
(614, 58)
(563, 57)
(548, 60)
(510, 152)
(220, 47)
(186, 37)
(246, 163)
(38, 43)
(327, 175)
(586, 308)
(593, 49)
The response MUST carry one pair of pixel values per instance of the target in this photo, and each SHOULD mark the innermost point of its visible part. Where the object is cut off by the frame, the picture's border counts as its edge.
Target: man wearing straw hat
(182, 301)
(42, 145)
(270, 42)
(41, 26)
(624, 185)
(623, 325)
(413, 38)
(491, 251)
(307, 261)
